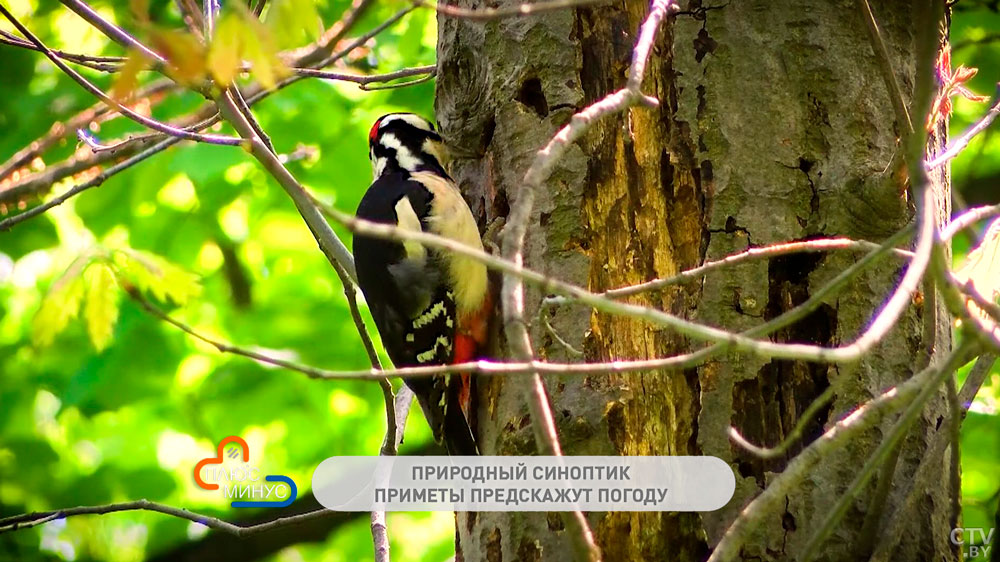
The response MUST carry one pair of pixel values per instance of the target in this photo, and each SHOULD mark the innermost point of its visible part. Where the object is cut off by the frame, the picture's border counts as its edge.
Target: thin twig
(59, 130)
(101, 63)
(93, 182)
(959, 144)
(364, 80)
(487, 14)
(96, 92)
(885, 67)
(885, 448)
(28, 520)
(929, 467)
(115, 33)
(753, 254)
(793, 437)
(331, 245)
(865, 417)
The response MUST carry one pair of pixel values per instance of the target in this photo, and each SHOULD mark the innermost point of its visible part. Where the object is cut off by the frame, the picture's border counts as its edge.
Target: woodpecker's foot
(492, 235)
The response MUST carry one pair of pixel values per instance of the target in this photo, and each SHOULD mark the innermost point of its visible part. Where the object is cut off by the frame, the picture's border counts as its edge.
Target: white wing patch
(431, 353)
(450, 217)
(407, 219)
(429, 316)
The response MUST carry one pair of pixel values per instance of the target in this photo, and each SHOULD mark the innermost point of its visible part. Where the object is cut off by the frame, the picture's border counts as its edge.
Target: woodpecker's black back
(409, 288)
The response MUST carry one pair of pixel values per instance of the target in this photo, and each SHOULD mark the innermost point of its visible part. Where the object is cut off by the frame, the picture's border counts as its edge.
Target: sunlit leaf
(981, 269)
(101, 308)
(127, 78)
(153, 274)
(184, 53)
(293, 22)
(260, 48)
(982, 266)
(225, 54)
(61, 304)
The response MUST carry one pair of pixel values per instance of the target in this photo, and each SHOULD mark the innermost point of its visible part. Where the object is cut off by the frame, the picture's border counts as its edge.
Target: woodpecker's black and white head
(405, 141)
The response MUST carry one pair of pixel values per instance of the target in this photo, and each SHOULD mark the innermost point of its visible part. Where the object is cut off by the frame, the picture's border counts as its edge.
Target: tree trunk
(773, 125)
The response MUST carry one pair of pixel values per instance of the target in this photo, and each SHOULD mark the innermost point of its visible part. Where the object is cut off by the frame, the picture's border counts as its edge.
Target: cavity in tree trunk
(774, 124)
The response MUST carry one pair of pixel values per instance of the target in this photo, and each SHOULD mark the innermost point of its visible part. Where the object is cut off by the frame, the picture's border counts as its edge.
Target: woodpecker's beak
(438, 150)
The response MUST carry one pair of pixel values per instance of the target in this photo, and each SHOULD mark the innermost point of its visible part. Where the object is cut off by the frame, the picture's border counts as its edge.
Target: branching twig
(93, 182)
(101, 63)
(864, 418)
(96, 92)
(929, 466)
(27, 520)
(959, 144)
(889, 442)
(487, 14)
(115, 33)
(59, 131)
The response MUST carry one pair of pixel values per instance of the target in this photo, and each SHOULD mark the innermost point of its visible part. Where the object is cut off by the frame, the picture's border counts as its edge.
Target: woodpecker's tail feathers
(457, 436)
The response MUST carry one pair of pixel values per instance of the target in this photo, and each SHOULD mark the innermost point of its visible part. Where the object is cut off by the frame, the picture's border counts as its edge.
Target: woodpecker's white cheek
(404, 157)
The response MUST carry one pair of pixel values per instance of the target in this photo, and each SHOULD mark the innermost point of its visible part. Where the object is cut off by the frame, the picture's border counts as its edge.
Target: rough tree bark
(773, 125)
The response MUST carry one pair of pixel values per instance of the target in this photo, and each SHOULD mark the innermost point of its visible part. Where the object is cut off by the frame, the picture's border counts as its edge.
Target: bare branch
(101, 63)
(884, 451)
(868, 416)
(794, 436)
(93, 182)
(753, 254)
(364, 80)
(28, 520)
(94, 90)
(486, 14)
(115, 33)
(885, 66)
(59, 130)
(331, 245)
(928, 466)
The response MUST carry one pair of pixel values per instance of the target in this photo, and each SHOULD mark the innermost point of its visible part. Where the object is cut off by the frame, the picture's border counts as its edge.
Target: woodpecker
(431, 306)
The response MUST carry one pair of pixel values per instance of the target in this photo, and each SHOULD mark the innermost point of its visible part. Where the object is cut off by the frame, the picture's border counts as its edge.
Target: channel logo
(242, 481)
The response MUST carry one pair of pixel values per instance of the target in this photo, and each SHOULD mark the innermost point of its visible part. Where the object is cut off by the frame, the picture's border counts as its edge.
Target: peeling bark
(773, 125)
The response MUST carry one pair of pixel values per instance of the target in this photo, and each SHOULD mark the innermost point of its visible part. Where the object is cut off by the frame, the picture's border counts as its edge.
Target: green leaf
(153, 274)
(60, 305)
(293, 22)
(101, 310)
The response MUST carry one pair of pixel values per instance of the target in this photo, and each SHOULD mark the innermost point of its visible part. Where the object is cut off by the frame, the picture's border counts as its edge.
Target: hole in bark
(532, 96)
(616, 426)
(768, 406)
(805, 164)
(554, 521)
(703, 45)
(489, 128)
(500, 206)
(788, 522)
(525, 421)
(731, 225)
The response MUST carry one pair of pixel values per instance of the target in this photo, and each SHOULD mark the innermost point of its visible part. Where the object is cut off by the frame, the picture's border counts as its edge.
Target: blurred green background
(80, 426)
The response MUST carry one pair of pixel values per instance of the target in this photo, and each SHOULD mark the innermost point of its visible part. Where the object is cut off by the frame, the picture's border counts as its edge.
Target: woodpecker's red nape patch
(374, 131)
